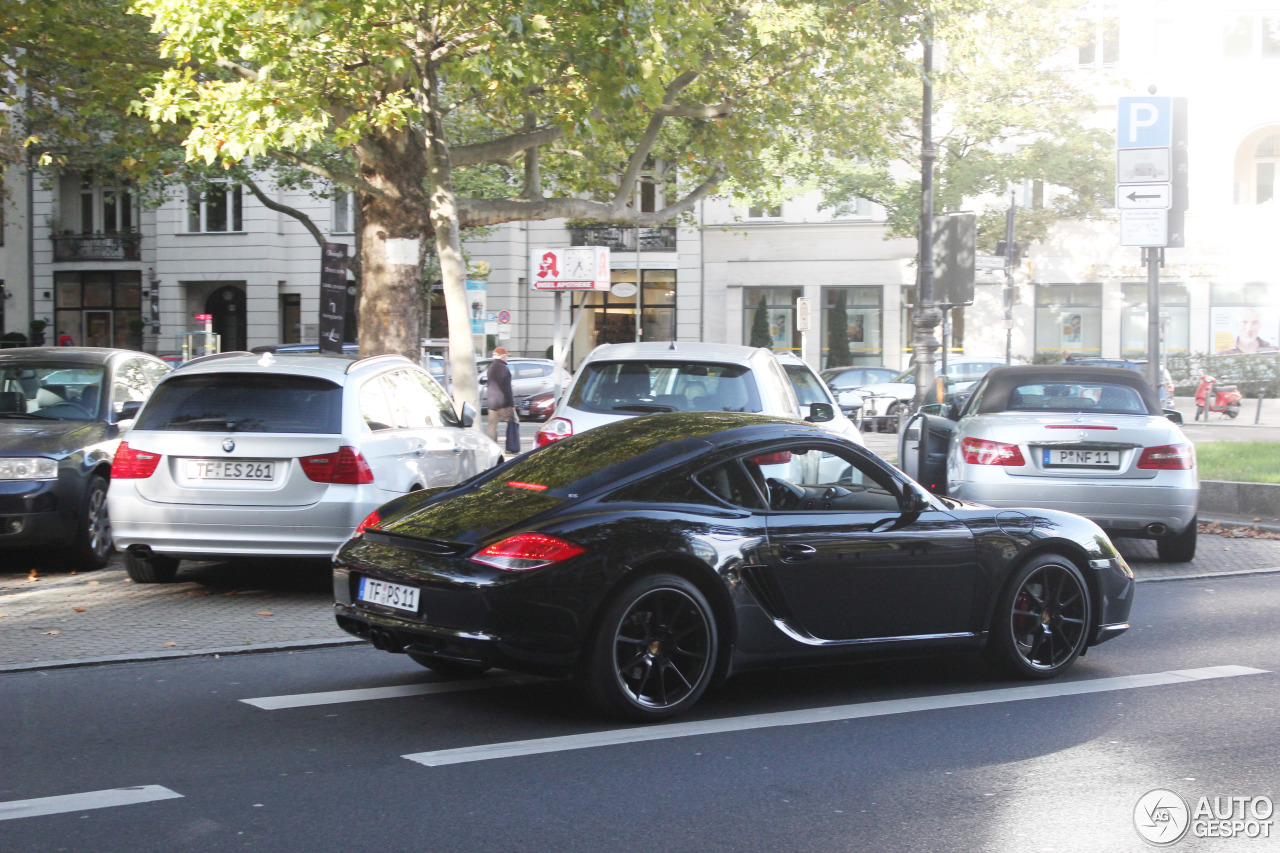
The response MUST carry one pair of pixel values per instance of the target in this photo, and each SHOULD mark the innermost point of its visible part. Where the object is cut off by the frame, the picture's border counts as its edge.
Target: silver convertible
(1087, 440)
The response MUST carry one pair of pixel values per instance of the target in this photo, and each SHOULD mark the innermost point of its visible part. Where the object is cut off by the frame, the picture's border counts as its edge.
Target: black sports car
(650, 557)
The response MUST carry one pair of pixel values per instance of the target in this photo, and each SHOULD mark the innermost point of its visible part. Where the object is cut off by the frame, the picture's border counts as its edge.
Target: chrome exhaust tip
(1157, 529)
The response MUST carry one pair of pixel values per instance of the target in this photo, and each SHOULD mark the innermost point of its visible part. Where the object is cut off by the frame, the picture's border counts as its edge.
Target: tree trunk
(392, 244)
(453, 267)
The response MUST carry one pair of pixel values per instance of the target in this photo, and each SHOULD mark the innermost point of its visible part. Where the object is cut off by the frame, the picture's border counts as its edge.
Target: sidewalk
(61, 619)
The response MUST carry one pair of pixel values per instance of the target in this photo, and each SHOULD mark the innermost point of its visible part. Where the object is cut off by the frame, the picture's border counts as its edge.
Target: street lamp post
(927, 316)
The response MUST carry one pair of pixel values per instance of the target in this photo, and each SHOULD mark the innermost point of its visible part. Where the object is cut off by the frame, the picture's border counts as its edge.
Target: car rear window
(1076, 397)
(242, 402)
(662, 385)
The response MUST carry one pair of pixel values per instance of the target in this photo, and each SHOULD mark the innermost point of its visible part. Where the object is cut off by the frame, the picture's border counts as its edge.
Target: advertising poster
(333, 296)
(1244, 330)
(1071, 328)
(478, 301)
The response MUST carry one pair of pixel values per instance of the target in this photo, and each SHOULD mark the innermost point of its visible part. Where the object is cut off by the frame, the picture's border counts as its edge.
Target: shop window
(1069, 318)
(768, 315)
(863, 315)
(1175, 319)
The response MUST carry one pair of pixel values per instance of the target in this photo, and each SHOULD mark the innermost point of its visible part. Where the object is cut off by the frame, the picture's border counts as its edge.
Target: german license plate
(1058, 457)
(388, 594)
(228, 469)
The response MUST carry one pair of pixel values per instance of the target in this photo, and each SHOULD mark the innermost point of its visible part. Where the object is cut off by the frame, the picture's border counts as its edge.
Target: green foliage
(760, 336)
(838, 354)
(1253, 374)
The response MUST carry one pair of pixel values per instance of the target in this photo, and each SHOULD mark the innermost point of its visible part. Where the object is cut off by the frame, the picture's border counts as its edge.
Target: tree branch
(344, 178)
(278, 207)
(495, 150)
(627, 181)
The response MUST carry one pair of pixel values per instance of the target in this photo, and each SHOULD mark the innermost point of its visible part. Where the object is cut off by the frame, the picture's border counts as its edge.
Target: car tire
(93, 546)
(654, 650)
(146, 567)
(447, 667)
(1041, 623)
(889, 423)
(1179, 547)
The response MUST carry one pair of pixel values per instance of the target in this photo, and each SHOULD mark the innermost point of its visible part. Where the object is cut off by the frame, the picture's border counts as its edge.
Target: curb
(1208, 575)
(144, 657)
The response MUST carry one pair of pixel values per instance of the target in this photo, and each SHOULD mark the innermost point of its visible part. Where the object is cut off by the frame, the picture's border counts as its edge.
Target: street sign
(1144, 121)
(504, 317)
(584, 268)
(1142, 165)
(803, 310)
(1129, 196)
(204, 318)
(1146, 228)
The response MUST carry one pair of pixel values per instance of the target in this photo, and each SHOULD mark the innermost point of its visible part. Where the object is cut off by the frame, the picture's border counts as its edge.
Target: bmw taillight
(346, 466)
(526, 551)
(370, 520)
(553, 430)
(979, 451)
(130, 464)
(1169, 457)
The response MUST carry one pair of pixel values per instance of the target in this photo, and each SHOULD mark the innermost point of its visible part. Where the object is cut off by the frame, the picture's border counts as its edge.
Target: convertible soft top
(997, 387)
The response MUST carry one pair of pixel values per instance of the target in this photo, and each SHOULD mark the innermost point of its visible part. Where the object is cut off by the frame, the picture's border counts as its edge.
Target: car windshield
(60, 391)
(241, 402)
(1076, 397)
(808, 387)
(662, 385)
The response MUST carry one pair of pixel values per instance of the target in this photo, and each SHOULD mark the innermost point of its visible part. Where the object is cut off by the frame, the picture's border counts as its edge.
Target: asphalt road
(306, 751)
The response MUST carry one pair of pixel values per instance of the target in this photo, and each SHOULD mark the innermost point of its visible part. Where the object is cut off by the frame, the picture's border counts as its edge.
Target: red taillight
(130, 464)
(1169, 457)
(370, 520)
(978, 451)
(526, 551)
(553, 430)
(782, 457)
(346, 466)
(533, 487)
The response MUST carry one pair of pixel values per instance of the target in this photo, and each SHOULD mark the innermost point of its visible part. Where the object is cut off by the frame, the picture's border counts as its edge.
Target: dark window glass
(640, 387)
(245, 403)
(1076, 397)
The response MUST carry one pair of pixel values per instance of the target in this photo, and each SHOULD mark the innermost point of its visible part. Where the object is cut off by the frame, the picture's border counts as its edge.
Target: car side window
(373, 405)
(440, 404)
(411, 407)
(823, 479)
(725, 483)
(135, 379)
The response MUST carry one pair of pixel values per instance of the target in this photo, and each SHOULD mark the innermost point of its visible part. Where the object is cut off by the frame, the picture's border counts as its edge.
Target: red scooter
(1212, 397)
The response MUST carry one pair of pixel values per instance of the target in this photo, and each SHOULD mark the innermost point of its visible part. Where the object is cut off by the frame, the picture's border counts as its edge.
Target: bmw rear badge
(228, 445)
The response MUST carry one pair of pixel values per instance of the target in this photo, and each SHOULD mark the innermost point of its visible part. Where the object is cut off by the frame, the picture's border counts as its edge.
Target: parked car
(618, 381)
(529, 376)
(1166, 379)
(237, 455)
(1088, 440)
(537, 407)
(650, 558)
(882, 402)
(62, 412)
(847, 378)
(811, 389)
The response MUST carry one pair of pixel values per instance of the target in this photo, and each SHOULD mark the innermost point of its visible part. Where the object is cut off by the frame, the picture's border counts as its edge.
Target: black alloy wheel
(1042, 622)
(93, 544)
(147, 567)
(655, 651)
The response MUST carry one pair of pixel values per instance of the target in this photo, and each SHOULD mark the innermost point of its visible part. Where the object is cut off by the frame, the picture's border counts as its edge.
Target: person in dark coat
(500, 400)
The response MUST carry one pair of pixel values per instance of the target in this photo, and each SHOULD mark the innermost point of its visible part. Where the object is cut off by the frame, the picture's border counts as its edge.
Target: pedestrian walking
(501, 401)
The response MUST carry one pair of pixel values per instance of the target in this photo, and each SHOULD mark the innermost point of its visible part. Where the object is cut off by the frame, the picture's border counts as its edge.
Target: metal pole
(639, 285)
(1154, 259)
(927, 317)
(1009, 258)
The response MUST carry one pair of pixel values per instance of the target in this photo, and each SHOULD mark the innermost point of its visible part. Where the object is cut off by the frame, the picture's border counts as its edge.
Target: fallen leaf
(95, 583)
(197, 592)
(78, 609)
(171, 644)
(34, 576)
(265, 613)
(51, 633)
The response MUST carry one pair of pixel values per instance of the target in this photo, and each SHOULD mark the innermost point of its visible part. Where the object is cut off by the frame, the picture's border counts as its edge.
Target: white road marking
(83, 802)
(334, 697)
(640, 734)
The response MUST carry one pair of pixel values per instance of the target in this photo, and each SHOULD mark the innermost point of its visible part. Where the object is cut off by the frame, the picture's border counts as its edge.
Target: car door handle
(796, 553)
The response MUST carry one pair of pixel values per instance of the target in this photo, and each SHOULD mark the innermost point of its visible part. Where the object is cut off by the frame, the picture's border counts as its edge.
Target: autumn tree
(562, 106)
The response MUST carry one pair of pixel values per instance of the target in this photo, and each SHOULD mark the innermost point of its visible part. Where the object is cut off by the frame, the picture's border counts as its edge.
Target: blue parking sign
(1144, 122)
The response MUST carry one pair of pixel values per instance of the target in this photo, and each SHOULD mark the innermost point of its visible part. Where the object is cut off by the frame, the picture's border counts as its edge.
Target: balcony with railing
(622, 238)
(97, 247)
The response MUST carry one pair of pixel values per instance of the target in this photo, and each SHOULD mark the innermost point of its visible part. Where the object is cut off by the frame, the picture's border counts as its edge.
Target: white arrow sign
(1130, 196)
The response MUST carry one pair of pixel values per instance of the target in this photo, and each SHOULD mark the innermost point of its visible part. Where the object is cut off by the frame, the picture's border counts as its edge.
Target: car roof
(331, 366)
(69, 356)
(999, 382)
(677, 351)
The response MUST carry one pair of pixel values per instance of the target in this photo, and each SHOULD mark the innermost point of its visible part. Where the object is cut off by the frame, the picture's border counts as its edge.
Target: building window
(344, 213)
(105, 210)
(217, 209)
(290, 318)
(1256, 167)
(1175, 319)
(1251, 36)
(1245, 318)
(98, 308)
(761, 212)
(1069, 318)
(776, 329)
(611, 315)
(863, 318)
(1100, 41)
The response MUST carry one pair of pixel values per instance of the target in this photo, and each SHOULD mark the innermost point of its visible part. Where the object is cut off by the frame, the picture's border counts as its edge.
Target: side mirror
(915, 499)
(130, 410)
(941, 410)
(1174, 416)
(821, 413)
(468, 417)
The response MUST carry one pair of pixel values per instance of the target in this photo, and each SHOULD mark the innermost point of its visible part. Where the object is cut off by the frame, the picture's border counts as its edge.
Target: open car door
(922, 450)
